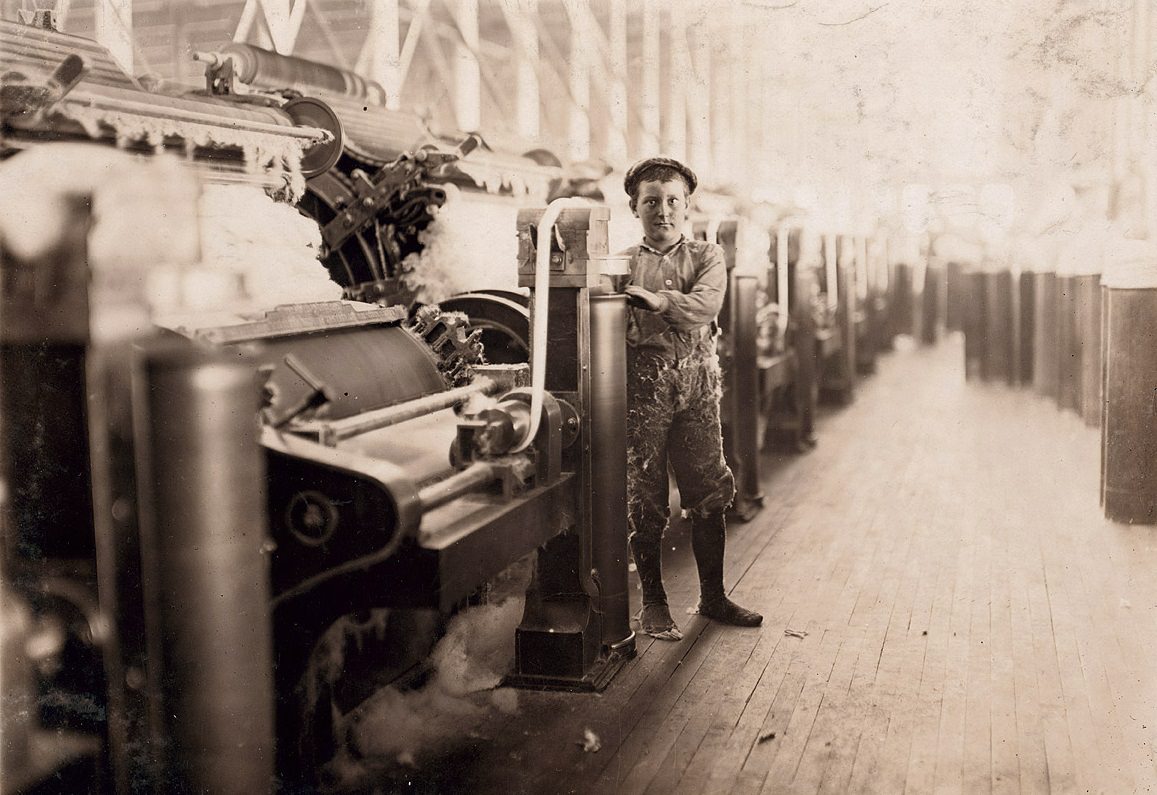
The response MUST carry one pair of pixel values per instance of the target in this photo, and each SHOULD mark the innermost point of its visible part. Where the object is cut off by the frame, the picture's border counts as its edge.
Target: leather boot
(708, 542)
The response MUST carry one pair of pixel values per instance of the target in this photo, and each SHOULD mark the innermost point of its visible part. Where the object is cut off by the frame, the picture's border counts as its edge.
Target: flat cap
(641, 171)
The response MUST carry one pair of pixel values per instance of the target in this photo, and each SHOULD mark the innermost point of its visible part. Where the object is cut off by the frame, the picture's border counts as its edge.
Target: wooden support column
(617, 149)
(736, 40)
(678, 61)
(467, 87)
(579, 80)
(652, 69)
(113, 28)
(413, 34)
(521, 19)
(1143, 144)
(723, 153)
(757, 87)
(277, 21)
(380, 59)
(699, 98)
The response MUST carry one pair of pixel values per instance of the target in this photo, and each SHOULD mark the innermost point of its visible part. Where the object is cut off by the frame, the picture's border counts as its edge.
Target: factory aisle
(945, 610)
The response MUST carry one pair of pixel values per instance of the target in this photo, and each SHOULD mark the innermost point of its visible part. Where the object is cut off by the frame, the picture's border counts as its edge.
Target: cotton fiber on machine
(202, 554)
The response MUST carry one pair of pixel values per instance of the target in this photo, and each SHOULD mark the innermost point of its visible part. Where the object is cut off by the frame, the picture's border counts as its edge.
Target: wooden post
(652, 68)
(525, 33)
(617, 145)
(579, 79)
(675, 115)
(381, 50)
(699, 101)
(113, 22)
(467, 74)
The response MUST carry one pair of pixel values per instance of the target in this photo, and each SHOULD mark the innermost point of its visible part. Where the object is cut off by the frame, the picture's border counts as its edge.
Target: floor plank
(973, 624)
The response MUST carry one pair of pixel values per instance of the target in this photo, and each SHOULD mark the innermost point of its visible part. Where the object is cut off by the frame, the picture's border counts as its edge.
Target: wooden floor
(972, 624)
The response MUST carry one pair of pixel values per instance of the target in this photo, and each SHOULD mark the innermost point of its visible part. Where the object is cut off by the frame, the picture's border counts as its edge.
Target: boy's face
(662, 208)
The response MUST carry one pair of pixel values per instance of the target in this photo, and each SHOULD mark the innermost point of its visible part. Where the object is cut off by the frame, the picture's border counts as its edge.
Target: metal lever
(317, 397)
(26, 100)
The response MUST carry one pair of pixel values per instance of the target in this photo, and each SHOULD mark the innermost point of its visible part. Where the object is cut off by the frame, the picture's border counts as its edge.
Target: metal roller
(255, 66)
(363, 369)
(504, 319)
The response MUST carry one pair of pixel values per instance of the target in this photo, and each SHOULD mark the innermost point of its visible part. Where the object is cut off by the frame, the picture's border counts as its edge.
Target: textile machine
(189, 502)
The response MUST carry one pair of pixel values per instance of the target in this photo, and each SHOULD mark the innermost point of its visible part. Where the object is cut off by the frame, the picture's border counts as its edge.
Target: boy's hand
(644, 299)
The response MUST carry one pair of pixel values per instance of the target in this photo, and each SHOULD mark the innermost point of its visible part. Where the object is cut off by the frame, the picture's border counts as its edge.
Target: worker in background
(673, 392)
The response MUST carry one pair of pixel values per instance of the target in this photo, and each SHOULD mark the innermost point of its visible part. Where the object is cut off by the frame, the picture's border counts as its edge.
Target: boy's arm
(685, 311)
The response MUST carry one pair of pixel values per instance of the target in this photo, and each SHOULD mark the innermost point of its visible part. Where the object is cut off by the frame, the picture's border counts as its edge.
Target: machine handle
(317, 397)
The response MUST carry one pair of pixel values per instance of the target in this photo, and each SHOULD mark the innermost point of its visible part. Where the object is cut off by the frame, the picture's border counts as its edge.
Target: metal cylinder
(1046, 359)
(203, 528)
(260, 67)
(17, 687)
(998, 352)
(1026, 320)
(507, 424)
(930, 319)
(469, 479)
(1068, 350)
(974, 323)
(607, 420)
(903, 301)
(954, 319)
(1129, 431)
(1089, 340)
(745, 396)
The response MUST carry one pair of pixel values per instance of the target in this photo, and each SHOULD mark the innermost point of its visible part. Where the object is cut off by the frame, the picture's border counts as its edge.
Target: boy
(673, 391)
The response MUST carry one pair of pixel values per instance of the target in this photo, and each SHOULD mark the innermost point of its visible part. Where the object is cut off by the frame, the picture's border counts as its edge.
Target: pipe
(453, 487)
(330, 433)
(539, 311)
(608, 441)
(206, 580)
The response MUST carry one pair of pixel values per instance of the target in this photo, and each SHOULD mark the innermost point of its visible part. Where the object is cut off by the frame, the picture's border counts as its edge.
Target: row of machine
(1074, 326)
(189, 505)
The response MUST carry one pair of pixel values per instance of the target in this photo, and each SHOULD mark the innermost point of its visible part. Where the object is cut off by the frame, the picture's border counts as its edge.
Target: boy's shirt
(692, 280)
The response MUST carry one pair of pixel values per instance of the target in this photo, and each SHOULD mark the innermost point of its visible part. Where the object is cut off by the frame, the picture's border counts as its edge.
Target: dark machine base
(594, 680)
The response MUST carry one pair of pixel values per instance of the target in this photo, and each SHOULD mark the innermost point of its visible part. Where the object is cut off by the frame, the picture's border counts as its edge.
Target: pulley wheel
(503, 317)
(310, 112)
